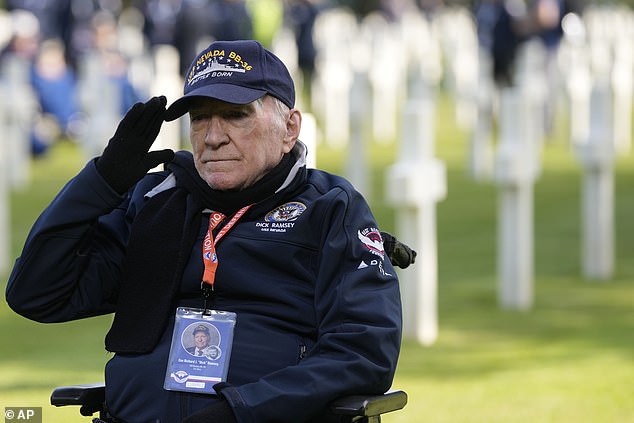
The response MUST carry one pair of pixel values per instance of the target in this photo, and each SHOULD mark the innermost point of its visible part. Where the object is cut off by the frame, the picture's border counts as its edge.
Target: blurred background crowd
(53, 36)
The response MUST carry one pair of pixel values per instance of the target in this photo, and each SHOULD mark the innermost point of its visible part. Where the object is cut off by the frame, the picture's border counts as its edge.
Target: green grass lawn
(569, 359)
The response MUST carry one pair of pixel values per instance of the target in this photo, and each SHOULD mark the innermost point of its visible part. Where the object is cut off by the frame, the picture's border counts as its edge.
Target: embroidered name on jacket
(282, 217)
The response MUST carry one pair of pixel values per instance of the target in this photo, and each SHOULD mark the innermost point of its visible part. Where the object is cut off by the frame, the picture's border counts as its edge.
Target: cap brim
(225, 92)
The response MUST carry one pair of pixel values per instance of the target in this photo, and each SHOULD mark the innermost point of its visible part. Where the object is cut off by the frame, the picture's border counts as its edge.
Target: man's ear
(293, 127)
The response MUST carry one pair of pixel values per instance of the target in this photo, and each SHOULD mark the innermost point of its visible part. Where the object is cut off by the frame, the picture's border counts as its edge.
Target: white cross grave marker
(100, 99)
(168, 82)
(414, 184)
(5, 209)
(516, 170)
(357, 158)
(20, 110)
(596, 156)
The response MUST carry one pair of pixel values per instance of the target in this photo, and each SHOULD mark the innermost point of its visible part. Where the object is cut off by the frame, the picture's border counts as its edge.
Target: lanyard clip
(207, 291)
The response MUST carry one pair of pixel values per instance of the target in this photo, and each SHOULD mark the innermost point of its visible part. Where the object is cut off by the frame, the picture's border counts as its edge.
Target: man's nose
(215, 133)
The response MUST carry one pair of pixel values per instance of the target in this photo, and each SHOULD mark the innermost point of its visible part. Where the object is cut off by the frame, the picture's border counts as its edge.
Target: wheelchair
(349, 409)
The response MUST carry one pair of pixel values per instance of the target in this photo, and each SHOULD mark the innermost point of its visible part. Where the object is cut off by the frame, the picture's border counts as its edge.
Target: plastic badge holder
(194, 369)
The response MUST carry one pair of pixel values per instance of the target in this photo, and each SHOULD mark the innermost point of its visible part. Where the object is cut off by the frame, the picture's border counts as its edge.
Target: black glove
(127, 158)
(220, 412)
(400, 254)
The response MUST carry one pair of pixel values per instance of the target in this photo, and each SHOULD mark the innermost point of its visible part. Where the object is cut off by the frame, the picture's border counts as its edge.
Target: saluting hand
(127, 158)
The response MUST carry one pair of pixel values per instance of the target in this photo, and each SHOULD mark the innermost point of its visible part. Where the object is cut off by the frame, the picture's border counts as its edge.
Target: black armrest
(369, 405)
(90, 397)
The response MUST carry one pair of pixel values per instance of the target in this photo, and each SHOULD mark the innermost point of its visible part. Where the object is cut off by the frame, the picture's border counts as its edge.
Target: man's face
(236, 145)
(201, 339)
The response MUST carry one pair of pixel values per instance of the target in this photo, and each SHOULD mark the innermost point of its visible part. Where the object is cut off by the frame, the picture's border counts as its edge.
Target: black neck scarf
(228, 202)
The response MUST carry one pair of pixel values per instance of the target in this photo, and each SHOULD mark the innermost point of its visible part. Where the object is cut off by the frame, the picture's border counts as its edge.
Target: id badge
(200, 350)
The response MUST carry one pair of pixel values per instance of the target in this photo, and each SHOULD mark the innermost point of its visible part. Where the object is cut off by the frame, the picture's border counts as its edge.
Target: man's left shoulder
(325, 181)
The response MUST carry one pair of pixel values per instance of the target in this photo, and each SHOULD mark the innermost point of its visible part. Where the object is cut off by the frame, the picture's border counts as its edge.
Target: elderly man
(294, 272)
(201, 341)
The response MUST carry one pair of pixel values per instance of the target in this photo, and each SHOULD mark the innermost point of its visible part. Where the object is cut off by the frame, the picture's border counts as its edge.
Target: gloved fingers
(388, 242)
(402, 256)
(151, 121)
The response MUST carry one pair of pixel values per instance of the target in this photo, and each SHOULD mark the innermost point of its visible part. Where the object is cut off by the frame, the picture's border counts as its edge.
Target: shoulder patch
(371, 239)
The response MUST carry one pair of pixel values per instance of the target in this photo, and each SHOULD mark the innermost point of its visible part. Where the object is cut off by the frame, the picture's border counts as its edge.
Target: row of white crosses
(378, 51)
(411, 60)
(362, 77)
(366, 71)
(516, 164)
(599, 84)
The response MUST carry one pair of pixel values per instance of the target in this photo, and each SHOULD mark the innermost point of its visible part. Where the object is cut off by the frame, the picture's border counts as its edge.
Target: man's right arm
(70, 264)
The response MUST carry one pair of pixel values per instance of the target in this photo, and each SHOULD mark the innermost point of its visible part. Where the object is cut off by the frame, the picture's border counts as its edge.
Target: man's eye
(235, 114)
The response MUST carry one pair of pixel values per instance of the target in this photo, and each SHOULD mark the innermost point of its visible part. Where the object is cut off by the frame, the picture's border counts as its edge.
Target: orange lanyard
(210, 258)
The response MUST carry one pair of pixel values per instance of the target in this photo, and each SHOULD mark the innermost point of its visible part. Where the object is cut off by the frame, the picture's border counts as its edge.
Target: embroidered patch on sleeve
(371, 239)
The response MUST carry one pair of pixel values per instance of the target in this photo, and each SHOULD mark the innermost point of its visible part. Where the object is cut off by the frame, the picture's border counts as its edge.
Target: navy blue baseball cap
(237, 72)
(201, 328)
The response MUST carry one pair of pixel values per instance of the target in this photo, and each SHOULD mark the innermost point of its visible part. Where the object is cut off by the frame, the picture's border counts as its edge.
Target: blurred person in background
(50, 79)
(300, 17)
(199, 22)
(547, 16)
(53, 16)
(67, 20)
(503, 25)
(430, 8)
(160, 18)
(501, 28)
(55, 85)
